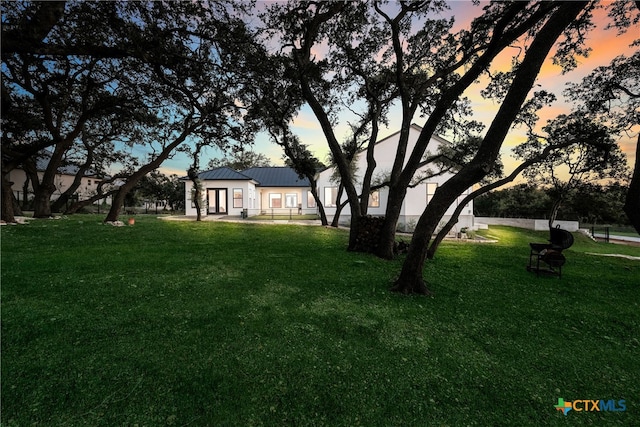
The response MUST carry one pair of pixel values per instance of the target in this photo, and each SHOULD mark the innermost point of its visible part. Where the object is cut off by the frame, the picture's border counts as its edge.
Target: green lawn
(240, 324)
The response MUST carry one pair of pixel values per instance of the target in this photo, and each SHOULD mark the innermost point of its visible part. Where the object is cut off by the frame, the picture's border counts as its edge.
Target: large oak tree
(373, 54)
(148, 78)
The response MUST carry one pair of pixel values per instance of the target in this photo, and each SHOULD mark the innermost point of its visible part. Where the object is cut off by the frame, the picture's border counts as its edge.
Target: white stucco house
(417, 196)
(255, 191)
(279, 190)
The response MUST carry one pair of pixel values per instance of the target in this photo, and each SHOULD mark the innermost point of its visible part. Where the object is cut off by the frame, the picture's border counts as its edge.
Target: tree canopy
(240, 160)
(146, 80)
(361, 58)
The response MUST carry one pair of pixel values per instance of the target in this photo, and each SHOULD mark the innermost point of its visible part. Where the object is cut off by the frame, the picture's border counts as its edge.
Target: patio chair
(548, 257)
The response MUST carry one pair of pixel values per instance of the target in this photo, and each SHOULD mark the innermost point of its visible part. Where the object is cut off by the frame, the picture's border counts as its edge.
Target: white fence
(532, 224)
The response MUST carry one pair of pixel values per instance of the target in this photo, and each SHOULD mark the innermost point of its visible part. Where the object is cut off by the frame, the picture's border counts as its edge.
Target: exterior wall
(291, 200)
(249, 196)
(416, 198)
(531, 224)
(254, 199)
(62, 182)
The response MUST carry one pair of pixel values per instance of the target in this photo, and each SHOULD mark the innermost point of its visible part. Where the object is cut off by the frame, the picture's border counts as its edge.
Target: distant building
(23, 188)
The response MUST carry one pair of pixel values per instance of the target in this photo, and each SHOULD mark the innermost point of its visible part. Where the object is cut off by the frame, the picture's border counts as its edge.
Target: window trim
(241, 198)
(272, 198)
(377, 198)
(286, 199)
(430, 195)
(311, 201)
(331, 203)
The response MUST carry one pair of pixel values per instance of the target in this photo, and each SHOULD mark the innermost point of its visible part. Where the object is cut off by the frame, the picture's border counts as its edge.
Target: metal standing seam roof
(281, 176)
(273, 176)
(223, 173)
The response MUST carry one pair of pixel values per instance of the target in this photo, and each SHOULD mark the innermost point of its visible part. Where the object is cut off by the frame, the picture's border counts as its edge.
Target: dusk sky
(605, 45)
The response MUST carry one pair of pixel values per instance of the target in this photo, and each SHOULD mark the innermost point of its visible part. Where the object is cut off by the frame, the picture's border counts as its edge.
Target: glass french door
(217, 200)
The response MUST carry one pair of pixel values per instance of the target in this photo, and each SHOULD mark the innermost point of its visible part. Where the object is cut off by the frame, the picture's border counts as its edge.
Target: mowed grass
(225, 324)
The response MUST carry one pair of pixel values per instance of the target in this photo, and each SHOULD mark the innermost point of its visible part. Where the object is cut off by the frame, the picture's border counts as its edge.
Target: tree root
(413, 287)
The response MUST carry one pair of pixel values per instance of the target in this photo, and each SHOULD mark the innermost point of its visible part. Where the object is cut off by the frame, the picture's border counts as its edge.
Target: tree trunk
(46, 187)
(433, 247)
(197, 198)
(371, 161)
(339, 207)
(60, 202)
(410, 279)
(355, 227)
(303, 58)
(118, 201)
(323, 215)
(57, 205)
(82, 203)
(17, 209)
(8, 214)
(314, 193)
(387, 238)
(192, 173)
(42, 201)
(632, 202)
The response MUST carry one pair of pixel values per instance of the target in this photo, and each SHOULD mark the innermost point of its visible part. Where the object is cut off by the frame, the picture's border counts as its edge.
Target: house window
(431, 190)
(330, 196)
(374, 199)
(311, 201)
(291, 200)
(237, 197)
(275, 200)
(89, 182)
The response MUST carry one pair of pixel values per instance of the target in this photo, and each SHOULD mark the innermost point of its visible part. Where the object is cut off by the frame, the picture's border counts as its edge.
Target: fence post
(606, 234)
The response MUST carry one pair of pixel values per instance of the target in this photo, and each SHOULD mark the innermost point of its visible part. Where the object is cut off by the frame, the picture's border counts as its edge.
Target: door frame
(218, 191)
